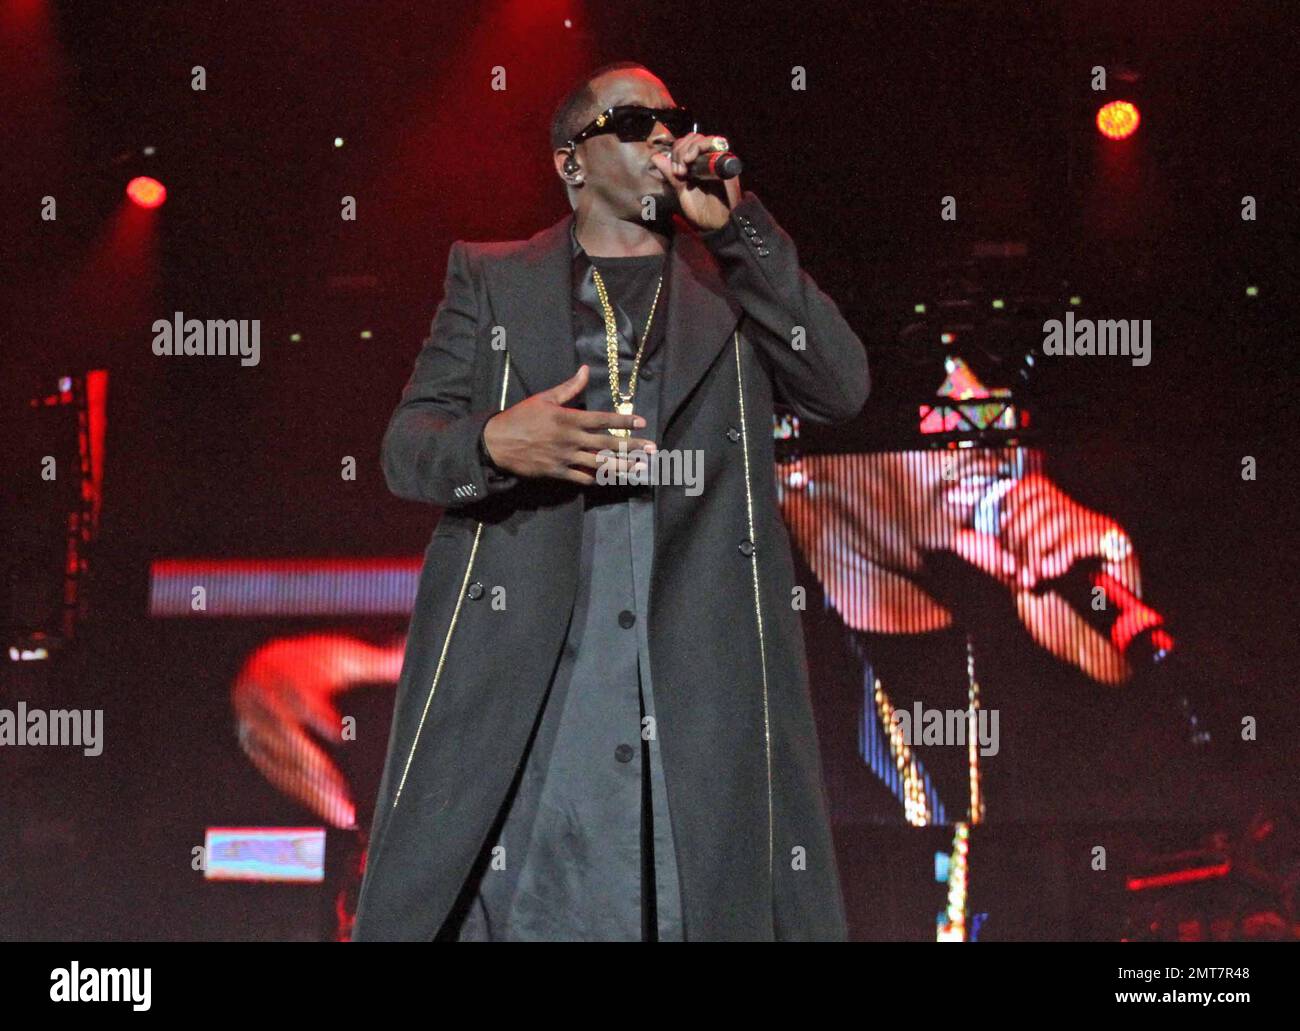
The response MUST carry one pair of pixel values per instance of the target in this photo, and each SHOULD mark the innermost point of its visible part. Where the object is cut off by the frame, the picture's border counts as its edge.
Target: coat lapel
(701, 316)
(530, 296)
(531, 291)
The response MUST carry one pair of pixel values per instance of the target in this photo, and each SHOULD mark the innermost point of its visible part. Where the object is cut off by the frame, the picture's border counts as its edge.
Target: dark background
(906, 103)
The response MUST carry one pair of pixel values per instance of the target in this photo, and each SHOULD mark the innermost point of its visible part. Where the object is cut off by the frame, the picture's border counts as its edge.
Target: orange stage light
(1118, 120)
(146, 192)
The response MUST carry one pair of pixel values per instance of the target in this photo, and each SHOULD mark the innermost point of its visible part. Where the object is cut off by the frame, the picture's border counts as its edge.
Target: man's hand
(1044, 532)
(284, 690)
(539, 436)
(865, 522)
(707, 203)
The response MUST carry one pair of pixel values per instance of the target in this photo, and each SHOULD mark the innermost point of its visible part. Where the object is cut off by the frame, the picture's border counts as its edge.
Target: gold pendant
(623, 408)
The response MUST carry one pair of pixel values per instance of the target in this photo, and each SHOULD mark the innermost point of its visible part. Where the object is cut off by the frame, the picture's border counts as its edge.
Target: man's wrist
(483, 452)
(731, 230)
(724, 234)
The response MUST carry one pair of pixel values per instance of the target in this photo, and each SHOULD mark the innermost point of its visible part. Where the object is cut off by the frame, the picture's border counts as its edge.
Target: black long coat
(745, 326)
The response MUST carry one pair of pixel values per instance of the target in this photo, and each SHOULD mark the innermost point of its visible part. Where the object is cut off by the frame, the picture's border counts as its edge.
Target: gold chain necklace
(622, 402)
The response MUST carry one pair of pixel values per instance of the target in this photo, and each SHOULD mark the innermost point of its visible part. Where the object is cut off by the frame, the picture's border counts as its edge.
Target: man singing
(602, 727)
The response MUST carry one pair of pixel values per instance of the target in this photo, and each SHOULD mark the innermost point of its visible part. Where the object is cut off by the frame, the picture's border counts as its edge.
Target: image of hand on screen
(866, 523)
(285, 692)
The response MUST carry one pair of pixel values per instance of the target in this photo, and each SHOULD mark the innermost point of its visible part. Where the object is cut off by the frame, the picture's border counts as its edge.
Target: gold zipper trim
(455, 614)
(758, 611)
(758, 606)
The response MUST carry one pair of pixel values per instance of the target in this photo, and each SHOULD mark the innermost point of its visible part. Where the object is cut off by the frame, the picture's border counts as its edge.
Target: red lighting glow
(146, 192)
(1187, 876)
(1118, 120)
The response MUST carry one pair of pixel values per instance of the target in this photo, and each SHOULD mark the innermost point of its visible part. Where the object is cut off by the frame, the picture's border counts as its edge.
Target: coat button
(647, 373)
(733, 434)
(624, 753)
(475, 591)
(747, 548)
(626, 619)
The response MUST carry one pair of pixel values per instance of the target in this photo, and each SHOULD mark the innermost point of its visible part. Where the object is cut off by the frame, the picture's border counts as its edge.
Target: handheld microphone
(1136, 630)
(1141, 636)
(715, 164)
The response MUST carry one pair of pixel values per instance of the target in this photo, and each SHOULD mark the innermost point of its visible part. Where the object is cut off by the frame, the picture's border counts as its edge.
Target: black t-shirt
(630, 284)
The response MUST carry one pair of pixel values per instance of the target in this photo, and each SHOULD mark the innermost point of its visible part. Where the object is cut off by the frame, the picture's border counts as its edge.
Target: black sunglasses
(633, 123)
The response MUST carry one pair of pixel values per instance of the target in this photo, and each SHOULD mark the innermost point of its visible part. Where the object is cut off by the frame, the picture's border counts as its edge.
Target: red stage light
(146, 192)
(1118, 120)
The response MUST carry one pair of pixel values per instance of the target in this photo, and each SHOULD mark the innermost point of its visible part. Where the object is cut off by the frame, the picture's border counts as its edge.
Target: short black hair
(570, 114)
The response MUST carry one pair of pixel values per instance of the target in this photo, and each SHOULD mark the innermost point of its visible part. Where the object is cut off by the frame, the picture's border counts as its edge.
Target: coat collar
(531, 294)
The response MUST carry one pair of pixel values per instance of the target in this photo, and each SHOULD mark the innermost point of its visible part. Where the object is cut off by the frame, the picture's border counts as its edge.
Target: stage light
(366, 334)
(947, 338)
(1252, 291)
(919, 309)
(146, 192)
(338, 141)
(1118, 120)
(1076, 300)
(295, 338)
(999, 303)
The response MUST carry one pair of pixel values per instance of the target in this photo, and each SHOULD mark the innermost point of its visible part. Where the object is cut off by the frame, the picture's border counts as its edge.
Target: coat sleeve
(825, 380)
(431, 449)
